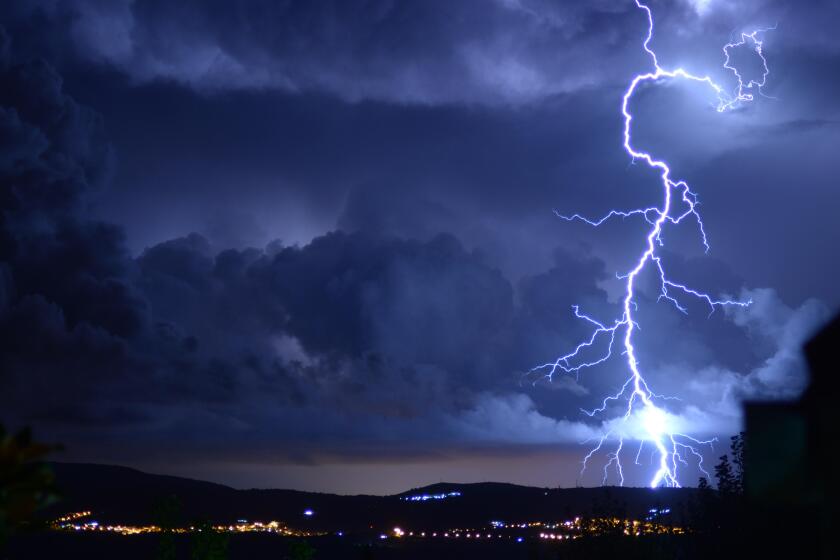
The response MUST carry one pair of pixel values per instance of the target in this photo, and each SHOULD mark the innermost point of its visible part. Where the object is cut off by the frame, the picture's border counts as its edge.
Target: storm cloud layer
(321, 234)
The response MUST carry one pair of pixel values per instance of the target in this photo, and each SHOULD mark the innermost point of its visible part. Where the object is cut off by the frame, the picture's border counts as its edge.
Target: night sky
(313, 244)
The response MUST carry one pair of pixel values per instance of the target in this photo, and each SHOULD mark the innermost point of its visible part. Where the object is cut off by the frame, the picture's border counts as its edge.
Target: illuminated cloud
(391, 267)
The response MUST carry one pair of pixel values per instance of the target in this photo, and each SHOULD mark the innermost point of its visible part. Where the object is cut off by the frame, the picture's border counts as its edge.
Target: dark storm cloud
(316, 345)
(408, 156)
(292, 164)
(508, 51)
(426, 52)
(365, 325)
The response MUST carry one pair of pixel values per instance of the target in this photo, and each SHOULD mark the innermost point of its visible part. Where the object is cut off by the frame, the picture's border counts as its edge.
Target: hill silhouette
(123, 495)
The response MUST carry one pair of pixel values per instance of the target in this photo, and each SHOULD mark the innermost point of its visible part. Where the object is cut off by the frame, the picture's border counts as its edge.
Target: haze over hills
(123, 495)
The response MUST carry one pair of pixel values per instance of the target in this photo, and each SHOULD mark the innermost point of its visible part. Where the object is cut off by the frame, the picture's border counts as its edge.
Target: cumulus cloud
(386, 336)
(514, 419)
(259, 342)
(780, 370)
(428, 53)
(404, 337)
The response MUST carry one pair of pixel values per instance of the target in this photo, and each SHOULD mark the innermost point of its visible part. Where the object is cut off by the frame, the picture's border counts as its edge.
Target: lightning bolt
(669, 447)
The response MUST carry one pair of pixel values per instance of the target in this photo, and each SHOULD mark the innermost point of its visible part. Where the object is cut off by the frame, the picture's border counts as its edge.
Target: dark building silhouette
(792, 457)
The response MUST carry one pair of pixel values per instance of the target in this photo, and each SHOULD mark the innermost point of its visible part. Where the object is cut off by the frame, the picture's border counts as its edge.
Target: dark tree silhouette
(301, 550)
(26, 483)
(166, 514)
(725, 478)
(704, 517)
(209, 544)
(737, 451)
(728, 508)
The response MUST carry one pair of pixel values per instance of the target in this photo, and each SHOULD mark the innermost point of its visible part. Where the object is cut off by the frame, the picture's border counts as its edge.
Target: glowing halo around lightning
(653, 425)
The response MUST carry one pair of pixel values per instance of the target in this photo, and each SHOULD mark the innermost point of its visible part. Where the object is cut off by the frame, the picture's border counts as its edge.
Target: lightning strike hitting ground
(670, 447)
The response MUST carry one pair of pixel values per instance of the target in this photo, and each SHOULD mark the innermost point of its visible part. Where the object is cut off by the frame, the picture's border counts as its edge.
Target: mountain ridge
(117, 494)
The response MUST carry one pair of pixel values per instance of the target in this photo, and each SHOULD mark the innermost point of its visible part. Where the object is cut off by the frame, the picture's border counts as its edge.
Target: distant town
(655, 523)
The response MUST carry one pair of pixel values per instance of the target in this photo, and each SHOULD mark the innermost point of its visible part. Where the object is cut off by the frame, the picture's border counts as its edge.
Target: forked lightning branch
(646, 409)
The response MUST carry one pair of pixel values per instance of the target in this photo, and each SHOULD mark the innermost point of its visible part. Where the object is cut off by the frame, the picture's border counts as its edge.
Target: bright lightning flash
(653, 425)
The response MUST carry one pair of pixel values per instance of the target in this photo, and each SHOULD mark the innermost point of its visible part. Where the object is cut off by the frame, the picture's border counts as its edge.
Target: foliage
(730, 474)
(721, 518)
(166, 514)
(209, 544)
(26, 483)
(725, 478)
(704, 517)
(737, 452)
(301, 550)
